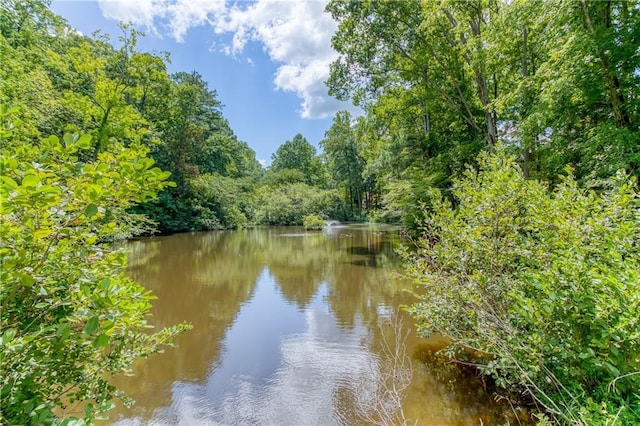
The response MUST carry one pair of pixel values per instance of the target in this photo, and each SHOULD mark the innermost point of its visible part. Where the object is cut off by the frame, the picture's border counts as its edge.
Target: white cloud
(181, 14)
(185, 14)
(307, 81)
(140, 12)
(296, 34)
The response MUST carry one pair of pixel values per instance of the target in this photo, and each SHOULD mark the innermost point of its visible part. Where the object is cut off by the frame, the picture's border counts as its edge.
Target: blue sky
(266, 59)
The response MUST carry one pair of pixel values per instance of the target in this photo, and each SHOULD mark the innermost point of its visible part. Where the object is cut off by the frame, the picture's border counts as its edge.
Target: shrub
(70, 316)
(220, 202)
(544, 285)
(313, 222)
(288, 204)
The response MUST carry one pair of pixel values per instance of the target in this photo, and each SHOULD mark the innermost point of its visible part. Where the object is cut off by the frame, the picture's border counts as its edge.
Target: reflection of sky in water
(279, 365)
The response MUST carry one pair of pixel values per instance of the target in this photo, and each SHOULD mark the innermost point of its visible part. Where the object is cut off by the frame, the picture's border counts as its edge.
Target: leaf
(27, 280)
(84, 142)
(52, 141)
(69, 138)
(88, 410)
(42, 233)
(9, 182)
(63, 331)
(30, 181)
(91, 210)
(8, 335)
(100, 341)
(92, 325)
(612, 368)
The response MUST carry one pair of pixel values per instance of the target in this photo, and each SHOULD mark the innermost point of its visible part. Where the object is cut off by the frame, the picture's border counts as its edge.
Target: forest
(503, 135)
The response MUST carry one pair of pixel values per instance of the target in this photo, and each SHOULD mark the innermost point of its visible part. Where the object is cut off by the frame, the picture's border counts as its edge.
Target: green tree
(222, 202)
(299, 154)
(71, 318)
(418, 71)
(586, 112)
(344, 162)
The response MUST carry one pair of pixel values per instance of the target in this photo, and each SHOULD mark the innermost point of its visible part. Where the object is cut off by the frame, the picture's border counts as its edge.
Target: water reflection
(285, 332)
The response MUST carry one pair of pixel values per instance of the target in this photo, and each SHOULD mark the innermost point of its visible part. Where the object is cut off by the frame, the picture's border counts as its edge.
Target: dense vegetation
(543, 286)
(530, 257)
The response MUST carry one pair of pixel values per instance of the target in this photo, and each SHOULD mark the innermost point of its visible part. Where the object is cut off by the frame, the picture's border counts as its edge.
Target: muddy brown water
(289, 328)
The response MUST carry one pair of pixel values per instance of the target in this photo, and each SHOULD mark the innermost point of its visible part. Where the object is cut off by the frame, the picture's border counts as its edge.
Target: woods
(517, 260)
(503, 136)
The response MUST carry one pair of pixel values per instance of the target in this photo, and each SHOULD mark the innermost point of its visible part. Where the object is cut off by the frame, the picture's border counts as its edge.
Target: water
(289, 328)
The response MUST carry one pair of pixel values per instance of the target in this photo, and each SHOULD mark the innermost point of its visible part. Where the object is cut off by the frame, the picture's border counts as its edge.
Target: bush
(313, 222)
(71, 318)
(288, 204)
(543, 285)
(221, 202)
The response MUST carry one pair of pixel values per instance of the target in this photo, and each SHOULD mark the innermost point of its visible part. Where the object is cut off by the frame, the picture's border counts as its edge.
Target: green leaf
(612, 368)
(69, 138)
(27, 280)
(42, 233)
(105, 284)
(30, 181)
(63, 331)
(9, 182)
(8, 335)
(52, 141)
(91, 210)
(84, 142)
(100, 341)
(88, 410)
(92, 325)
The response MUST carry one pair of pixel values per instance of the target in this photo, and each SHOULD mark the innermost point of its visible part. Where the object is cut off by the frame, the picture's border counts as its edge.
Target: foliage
(197, 146)
(222, 202)
(70, 316)
(543, 286)
(440, 81)
(287, 205)
(299, 154)
(344, 161)
(60, 80)
(276, 178)
(313, 222)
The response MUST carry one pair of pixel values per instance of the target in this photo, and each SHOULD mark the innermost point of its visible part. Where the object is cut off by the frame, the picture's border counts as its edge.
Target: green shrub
(313, 222)
(288, 204)
(70, 317)
(221, 202)
(545, 285)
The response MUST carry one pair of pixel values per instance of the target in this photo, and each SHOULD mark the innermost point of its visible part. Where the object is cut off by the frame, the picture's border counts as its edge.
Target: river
(290, 328)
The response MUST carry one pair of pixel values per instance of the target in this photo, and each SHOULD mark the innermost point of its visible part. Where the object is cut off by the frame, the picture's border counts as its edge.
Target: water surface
(289, 328)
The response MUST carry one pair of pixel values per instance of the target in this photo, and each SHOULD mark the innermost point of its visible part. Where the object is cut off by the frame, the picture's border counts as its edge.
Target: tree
(299, 154)
(587, 111)
(71, 318)
(412, 66)
(197, 145)
(344, 161)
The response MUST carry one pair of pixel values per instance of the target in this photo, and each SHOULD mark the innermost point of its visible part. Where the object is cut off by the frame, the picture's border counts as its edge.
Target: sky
(266, 59)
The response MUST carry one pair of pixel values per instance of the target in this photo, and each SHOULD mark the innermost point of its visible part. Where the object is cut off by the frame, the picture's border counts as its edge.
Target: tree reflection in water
(286, 331)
